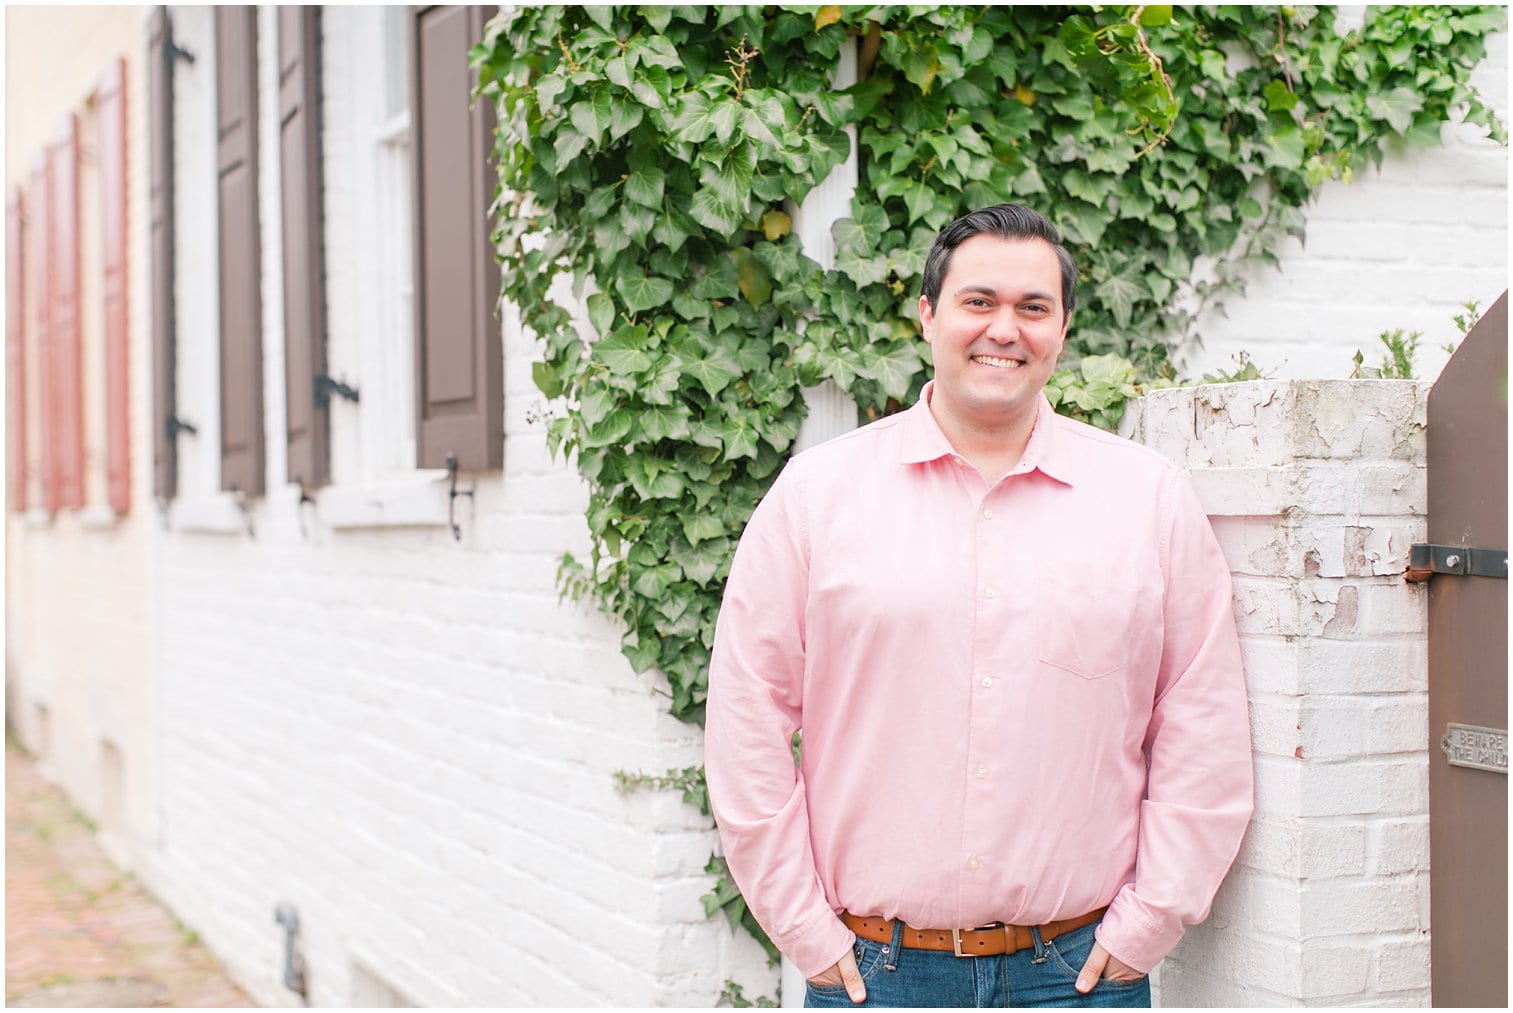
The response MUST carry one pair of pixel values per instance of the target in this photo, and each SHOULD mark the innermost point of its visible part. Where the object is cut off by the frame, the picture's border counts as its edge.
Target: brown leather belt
(986, 941)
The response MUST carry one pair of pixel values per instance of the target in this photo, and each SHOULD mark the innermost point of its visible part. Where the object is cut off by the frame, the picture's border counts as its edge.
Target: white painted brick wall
(411, 740)
(1315, 490)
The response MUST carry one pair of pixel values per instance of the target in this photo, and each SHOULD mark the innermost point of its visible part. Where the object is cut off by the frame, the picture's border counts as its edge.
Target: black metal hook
(304, 497)
(452, 495)
(240, 498)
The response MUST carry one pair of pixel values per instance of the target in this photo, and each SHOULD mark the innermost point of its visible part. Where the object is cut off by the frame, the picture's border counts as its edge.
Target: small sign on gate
(1477, 747)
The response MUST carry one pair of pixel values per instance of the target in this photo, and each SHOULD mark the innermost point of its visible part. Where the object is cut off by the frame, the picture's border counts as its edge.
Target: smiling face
(995, 334)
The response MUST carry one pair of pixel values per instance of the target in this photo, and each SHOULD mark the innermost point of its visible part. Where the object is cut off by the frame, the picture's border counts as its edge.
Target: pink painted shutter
(459, 366)
(110, 110)
(240, 257)
(42, 229)
(15, 355)
(304, 266)
(67, 375)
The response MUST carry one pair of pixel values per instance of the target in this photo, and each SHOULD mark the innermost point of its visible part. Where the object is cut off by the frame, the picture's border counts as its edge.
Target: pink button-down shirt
(1018, 703)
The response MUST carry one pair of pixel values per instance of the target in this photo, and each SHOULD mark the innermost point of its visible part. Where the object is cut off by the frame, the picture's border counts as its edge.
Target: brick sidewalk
(78, 930)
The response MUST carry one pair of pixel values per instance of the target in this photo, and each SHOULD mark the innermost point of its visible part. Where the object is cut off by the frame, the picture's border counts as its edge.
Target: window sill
(418, 499)
(38, 519)
(98, 518)
(214, 514)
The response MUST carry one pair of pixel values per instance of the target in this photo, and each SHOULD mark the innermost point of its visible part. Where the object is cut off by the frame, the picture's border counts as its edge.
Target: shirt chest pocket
(1085, 616)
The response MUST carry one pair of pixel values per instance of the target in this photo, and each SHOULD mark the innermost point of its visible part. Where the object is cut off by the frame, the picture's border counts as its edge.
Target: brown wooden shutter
(240, 250)
(67, 365)
(459, 367)
(164, 402)
(42, 230)
(304, 265)
(15, 354)
(110, 112)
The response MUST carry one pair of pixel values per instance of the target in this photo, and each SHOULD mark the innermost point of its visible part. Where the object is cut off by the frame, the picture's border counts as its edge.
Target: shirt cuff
(1129, 935)
(820, 948)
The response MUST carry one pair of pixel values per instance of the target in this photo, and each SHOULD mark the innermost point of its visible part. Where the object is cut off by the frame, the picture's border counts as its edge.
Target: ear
(927, 319)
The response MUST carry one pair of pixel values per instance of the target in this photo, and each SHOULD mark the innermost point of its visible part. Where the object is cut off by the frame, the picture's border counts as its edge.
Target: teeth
(993, 360)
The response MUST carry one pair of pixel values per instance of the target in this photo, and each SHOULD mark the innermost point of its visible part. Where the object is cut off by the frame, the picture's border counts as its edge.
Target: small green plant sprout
(1245, 369)
(1463, 323)
(734, 997)
(1397, 364)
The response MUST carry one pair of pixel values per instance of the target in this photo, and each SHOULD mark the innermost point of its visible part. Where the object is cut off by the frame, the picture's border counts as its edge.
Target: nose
(1003, 327)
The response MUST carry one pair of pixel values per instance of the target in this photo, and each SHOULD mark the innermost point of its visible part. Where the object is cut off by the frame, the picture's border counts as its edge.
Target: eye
(1037, 308)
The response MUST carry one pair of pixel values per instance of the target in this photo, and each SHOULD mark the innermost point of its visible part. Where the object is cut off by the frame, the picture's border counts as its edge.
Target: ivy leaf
(663, 422)
(1119, 293)
(546, 378)
(645, 186)
(1279, 97)
(601, 312)
(722, 118)
(651, 87)
(752, 277)
(893, 372)
(827, 15)
(1396, 107)
(714, 368)
(862, 270)
(701, 527)
(714, 214)
(613, 429)
(1084, 222)
(692, 122)
(701, 562)
(730, 179)
(641, 292)
(1285, 147)
(739, 435)
(624, 351)
(623, 118)
(1155, 15)
(776, 224)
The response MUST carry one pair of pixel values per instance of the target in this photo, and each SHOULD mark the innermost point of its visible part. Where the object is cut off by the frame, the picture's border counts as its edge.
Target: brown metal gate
(1468, 668)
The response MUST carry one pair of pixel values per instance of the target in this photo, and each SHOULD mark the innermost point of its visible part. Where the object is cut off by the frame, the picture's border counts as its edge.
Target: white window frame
(370, 309)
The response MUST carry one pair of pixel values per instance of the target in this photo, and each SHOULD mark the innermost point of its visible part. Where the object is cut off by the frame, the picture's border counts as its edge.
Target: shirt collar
(922, 439)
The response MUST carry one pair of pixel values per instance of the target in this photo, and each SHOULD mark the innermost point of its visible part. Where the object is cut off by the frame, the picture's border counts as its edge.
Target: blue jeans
(1040, 976)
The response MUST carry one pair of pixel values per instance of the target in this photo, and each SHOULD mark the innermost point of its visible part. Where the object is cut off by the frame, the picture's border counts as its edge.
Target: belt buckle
(956, 936)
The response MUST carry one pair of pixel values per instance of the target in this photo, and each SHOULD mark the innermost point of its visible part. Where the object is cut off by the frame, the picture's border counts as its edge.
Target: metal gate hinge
(1425, 560)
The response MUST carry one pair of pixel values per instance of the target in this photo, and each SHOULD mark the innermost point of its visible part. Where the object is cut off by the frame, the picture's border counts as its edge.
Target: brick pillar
(1316, 489)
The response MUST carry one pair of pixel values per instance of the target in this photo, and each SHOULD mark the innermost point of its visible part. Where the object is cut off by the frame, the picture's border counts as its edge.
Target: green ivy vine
(651, 160)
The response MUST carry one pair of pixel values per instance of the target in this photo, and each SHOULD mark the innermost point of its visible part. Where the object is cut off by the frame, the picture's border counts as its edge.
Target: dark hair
(1006, 221)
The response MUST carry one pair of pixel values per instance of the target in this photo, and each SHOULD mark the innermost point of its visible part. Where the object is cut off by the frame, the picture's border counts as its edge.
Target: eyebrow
(988, 290)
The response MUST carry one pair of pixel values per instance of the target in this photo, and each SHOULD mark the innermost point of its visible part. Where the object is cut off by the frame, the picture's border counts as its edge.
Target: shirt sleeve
(1200, 789)
(755, 704)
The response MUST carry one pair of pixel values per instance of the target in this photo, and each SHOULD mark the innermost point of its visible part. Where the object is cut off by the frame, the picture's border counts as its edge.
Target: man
(1007, 639)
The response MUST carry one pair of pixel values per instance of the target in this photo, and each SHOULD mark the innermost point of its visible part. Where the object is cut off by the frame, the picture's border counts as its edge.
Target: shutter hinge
(178, 52)
(1425, 560)
(326, 385)
(174, 425)
(452, 495)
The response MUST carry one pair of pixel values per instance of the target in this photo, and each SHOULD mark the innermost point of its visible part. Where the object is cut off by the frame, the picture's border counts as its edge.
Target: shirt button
(987, 680)
(982, 772)
(987, 514)
(989, 593)
(973, 863)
